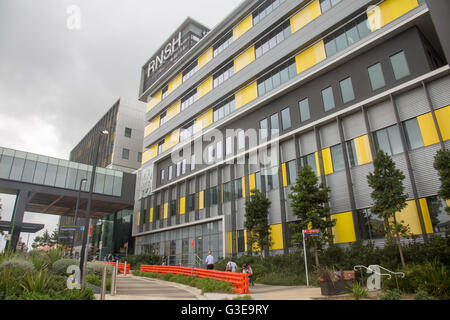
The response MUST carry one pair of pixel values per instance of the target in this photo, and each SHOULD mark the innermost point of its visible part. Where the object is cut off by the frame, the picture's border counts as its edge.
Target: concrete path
(140, 288)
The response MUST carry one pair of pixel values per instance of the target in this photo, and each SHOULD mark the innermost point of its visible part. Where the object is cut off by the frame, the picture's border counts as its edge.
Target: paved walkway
(139, 288)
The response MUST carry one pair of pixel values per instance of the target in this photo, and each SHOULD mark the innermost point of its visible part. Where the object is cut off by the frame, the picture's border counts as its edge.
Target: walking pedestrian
(209, 261)
(247, 269)
(231, 265)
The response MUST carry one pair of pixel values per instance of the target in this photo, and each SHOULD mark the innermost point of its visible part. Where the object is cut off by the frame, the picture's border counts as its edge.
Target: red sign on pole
(192, 243)
(311, 231)
(90, 230)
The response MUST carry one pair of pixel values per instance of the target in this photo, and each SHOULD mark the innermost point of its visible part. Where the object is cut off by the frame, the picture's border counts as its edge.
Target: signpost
(72, 228)
(308, 233)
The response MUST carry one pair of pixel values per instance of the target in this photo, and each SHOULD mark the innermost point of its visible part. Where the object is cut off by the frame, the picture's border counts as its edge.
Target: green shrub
(39, 282)
(358, 291)
(422, 295)
(75, 294)
(55, 255)
(9, 285)
(135, 261)
(7, 255)
(41, 262)
(246, 297)
(96, 280)
(97, 268)
(59, 267)
(19, 267)
(393, 294)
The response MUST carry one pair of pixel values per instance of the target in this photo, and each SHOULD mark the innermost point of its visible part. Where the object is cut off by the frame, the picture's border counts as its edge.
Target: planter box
(334, 288)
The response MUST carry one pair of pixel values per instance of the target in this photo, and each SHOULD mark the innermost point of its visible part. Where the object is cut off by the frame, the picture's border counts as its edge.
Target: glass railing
(38, 169)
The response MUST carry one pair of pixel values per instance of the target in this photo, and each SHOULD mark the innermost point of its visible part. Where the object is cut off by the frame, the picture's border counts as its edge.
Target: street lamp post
(83, 257)
(76, 215)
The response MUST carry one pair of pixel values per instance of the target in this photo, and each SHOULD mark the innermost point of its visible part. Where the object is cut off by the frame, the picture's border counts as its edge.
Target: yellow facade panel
(175, 83)
(201, 200)
(152, 126)
(205, 58)
(443, 119)
(284, 174)
(244, 59)
(276, 237)
(138, 218)
(183, 205)
(305, 16)
(344, 230)
(150, 154)
(173, 110)
(410, 217)
(251, 182)
(427, 128)
(388, 11)
(172, 140)
(151, 215)
(246, 95)
(362, 148)
(243, 188)
(327, 161)
(165, 210)
(205, 87)
(310, 57)
(203, 121)
(154, 100)
(242, 27)
(316, 154)
(426, 215)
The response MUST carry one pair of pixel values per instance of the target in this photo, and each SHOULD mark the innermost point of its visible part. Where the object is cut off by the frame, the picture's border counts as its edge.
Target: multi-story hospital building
(283, 83)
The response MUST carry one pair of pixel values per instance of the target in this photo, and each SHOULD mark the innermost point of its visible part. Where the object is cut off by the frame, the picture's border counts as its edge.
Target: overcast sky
(56, 80)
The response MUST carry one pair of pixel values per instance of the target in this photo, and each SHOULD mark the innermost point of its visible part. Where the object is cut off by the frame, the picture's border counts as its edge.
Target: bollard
(103, 293)
(125, 269)
(113, 282)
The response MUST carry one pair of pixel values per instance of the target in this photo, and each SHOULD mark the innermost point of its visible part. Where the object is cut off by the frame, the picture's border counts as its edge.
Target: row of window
(126, 155)
(271, 40)
(223, 75)
(288, 70)
(265, 9)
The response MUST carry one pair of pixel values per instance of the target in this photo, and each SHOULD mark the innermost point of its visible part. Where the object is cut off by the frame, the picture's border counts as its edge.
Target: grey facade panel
(439, 91)
(339, 198)
(427, 178)
(412, 103)
(275, 210)
(400, 163)
(287, 150)
(307, 143)
(329, 135)
(361, 188)
(381, 115)
(353, 126)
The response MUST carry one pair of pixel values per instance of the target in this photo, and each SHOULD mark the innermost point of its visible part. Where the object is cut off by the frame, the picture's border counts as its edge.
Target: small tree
(442, 165)
(309, 202)
(389, 197)
(257, 221)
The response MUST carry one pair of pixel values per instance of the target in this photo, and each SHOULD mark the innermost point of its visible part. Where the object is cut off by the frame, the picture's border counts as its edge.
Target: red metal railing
(239, 281)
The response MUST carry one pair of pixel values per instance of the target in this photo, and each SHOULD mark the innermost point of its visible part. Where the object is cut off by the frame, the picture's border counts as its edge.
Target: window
(210, 152)
(187, 132)
(183, 166)
(223, 75)
(286, 118)
(226, 192)
(272, 39)
(161, 147)
(191, 202)
(274, 125)
(326, 5)
(139, 157)
(162, 175)
(266, 8)
(178, 169)
(193, 162)
(337, 157)
(258, 180)
(241, 139)
(328, 99)
(370, 225)
(388, 140)
(310, 160)
(399, 65)
(156, 213)
(413, 134)
(212, 196)
(347, 90)
(162, 119)
(219, 150)
(238, 188)
(376, 76)
(170, 172)
(128, 132)
(224, 109)
(189, 72)
(165, 92)
(304, 110)
(229, 145)
(173, 207)
(125, 153)
(276, 77)
(291, 172)
(223, 43)
(263, 129)
(188, 100)
(271, 179)
(351, 153)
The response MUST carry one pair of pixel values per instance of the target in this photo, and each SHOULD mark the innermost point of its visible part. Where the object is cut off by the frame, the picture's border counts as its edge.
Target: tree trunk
(400, 249)
(316, 255)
